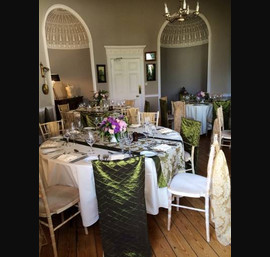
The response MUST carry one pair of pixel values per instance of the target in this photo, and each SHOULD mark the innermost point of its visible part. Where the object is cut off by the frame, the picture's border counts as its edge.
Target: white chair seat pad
(187, 184)
(187, 156)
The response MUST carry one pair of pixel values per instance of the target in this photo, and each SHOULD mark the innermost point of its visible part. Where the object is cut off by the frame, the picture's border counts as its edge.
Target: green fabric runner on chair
(226, 107)
(164, 113)
(121, 204)
(190, 132)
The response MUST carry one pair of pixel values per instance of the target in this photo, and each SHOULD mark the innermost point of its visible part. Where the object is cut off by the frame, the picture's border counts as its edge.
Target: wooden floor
(187, 236)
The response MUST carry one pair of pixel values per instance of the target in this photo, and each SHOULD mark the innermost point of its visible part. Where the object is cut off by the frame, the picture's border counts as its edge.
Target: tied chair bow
(121, 204)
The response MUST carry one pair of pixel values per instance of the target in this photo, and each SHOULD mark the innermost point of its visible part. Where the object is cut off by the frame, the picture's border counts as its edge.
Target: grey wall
(183, 67)
(138, 22)
(74, 68)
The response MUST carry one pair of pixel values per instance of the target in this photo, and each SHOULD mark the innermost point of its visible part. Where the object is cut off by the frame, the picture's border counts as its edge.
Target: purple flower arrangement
(111, 126)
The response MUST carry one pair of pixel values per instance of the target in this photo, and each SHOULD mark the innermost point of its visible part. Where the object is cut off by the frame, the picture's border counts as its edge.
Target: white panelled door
(126, 80)
(126, 73)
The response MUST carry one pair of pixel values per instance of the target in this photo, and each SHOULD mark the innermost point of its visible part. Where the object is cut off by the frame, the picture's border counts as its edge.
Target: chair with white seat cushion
(192, 185)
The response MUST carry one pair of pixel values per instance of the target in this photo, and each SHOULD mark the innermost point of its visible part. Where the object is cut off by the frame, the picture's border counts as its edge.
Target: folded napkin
(162, 147)
(49, 150)
(165, 130)
(49, 144)
(117, 156)
(67, 157)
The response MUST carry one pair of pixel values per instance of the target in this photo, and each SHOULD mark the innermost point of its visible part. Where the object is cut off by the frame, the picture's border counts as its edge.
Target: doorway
(126, 73)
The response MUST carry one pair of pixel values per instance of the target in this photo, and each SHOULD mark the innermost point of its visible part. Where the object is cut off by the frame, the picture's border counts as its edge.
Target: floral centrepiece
(112, 126)
(100, 95)
(201, 96)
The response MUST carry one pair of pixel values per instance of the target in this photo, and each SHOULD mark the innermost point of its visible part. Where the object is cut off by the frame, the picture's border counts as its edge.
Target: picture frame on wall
(150, 71)
(150, 56)
(101, 73)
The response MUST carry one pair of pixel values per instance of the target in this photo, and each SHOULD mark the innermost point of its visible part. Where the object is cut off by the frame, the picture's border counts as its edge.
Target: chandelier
(182, 14)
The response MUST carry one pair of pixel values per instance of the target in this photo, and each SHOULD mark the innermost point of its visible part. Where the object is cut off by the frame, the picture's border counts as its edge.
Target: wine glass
(128, 140)
(122, 141)
(72, 132)
(96, 121)
(90, 140)
(66, 135)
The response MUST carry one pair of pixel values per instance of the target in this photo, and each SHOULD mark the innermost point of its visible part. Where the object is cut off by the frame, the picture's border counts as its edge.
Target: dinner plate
(148, 153)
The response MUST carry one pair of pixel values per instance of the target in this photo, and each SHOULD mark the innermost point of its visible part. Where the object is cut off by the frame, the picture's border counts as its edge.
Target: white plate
(148, 153)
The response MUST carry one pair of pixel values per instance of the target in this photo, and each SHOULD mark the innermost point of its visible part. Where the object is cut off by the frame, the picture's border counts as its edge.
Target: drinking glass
(96, 121)
(128, 140)
(121, 142)
(90, 140)
(66, 135)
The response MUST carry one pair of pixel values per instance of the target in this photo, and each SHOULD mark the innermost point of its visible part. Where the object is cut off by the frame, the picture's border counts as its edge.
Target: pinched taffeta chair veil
(190, 133)
(121, 205)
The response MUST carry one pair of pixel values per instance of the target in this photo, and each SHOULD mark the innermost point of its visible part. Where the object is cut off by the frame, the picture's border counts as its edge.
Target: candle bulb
(166, 9)
(197, 7)
(187, 9)
(184, 4)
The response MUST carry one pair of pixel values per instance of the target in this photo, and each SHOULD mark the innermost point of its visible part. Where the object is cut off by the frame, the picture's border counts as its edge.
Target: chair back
(216, 131)
(133, 116)
(130, 103)
(179, 111)
(164, 113)
(214, 148)
(226, 109)
(120, 186)
(51, 129)
(147, 106)
(63, 107)
(151, 117)
(190, 133)
(220, 117)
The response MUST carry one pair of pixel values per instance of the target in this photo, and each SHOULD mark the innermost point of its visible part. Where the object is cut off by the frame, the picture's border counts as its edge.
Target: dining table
(71, 164)
(202, 112)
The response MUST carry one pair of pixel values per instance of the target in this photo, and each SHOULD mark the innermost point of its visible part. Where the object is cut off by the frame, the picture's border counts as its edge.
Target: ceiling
(191, 32)
(65, 31)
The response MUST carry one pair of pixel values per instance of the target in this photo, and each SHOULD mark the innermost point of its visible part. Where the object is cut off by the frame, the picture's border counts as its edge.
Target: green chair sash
(190, 132)
(164, 113)
(121, 204)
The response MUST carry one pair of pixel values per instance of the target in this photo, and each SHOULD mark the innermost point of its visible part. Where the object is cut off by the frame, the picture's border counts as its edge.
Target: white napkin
(49, 143)
(165, 130)
(67, 157)
(117, 156)
(162, 147)
(44, 151)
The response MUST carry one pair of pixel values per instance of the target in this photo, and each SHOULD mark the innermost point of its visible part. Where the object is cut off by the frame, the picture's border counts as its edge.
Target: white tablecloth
(80, 175)
(202, 113)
